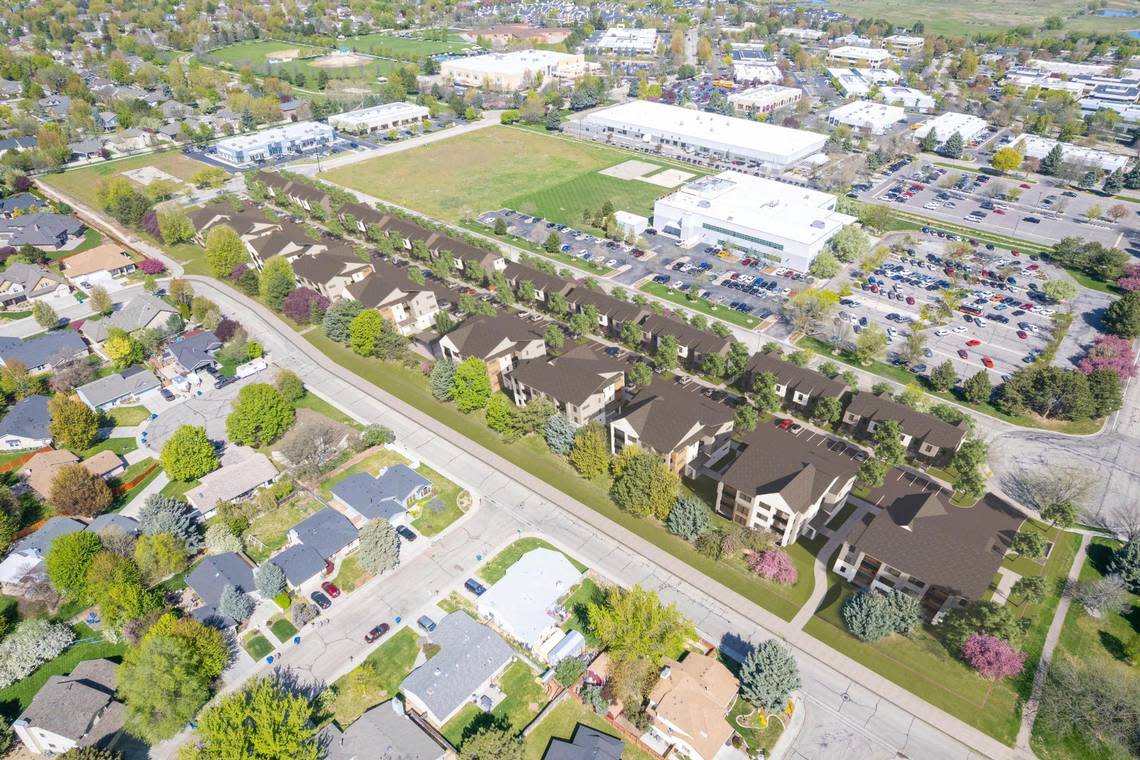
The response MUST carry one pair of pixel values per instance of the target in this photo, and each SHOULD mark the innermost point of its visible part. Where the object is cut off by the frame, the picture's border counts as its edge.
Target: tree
(441, 379)
(634, 623)
(101, 302)
(929, 142)
(1101, 596)
(774, 565)
(977, 388)
(173, 227)
(500, 226)
(188, 454)
(689, 518)
(992, 657)
(769, 675)
(1051, 164)
(569, 671)
(824, 266)
(639, 375)
(982, 617)
(159, 556)
(305, 305)
(224, 250)
(714, 365)
(73, 423)
(888, 442)
(166, 514)
(68, 560)
(872, 473)
(291, 387)
(746, 418)
(1086, 702)
(870, 344)
(260, 415)
(122, 349)
(953, 147)
(276, 281)
(45, 315)
(269, 580)
(943, 377)
(379, 547)
(1123, 316)
(1030, 545)
(90, 753)
(1125, 562)
(470, 385)
(1060, 513)
(338, 317)
(764, 393)
(30, 645)
(827, 409)
(1059, 291)
(235, 603)
(554, 337)
(665, 357)
(1006, 160)
(500, 414)
(492, 743)
(643, 484)
(1031, 588)
(77, 492)
(871, 615)
(850, 243)
(266, 720)
(559, 434)
(163, 684)
(590, 453)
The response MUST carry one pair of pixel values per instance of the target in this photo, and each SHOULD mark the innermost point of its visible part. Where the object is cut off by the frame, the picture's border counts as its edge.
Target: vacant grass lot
(525, 697)
(560, 723)
(377, 679)
(501, 167)
(971, 17)
(82, 183)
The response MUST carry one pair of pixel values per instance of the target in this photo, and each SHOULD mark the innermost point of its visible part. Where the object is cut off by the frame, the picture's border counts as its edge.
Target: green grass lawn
(494, 569)
(525, 698)
(532, 455)
(585, 594)
(972, 17)
(758, 739)
(257, 646)
(702, 305)
(453, 602)
(120, 446)
(480, 171)
(178, 488)
(441, 509)
(560, 723)
(91, 239)
(1090, 640)
(377, 679)
(320, 406)
(15, 698)
(371, 464)
(256, 51)
(404, 48)
(128, 416)
(267, 532)
(283, 629)
(81, 183)
(841, 516)
(351, 574)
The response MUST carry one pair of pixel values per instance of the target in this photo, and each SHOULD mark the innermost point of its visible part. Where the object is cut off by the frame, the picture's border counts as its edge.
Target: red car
(999, 211)
(988, 362)
(1033, 267)
(376, 633)
(1025, 186)
(974, 342)
(785, 424)
(1022, 334)
(910, 300)
(963, 353)
(329, 588)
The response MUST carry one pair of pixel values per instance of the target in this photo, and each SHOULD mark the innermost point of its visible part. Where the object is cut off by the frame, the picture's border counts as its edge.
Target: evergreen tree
(559, 434)
(1051, 164)
(769, 675)
(440, 380)
(953, 147)
(689, 518)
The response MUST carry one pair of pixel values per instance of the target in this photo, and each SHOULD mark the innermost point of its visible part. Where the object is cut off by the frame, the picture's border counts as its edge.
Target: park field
(256, 52)
(556, 178)
(969, 17)
(81, 183)
(404, 48)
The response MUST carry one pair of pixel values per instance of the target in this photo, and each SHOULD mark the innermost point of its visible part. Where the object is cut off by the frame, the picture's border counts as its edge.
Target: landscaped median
(702, 305)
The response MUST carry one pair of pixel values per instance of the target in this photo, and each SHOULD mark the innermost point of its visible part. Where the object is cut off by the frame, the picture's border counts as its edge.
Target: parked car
(406, 533)
(330, 588)
(320, 600)
(166, 394)
(475, 587)
(785, 424)
(376, 633)
(426, 623)
(988, 362)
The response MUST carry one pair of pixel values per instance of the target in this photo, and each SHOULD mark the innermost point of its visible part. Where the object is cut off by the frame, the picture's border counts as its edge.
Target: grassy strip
(700, 304)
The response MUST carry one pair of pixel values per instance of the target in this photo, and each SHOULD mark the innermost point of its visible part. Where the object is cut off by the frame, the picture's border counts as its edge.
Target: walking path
(822, 560)
(1029, 712)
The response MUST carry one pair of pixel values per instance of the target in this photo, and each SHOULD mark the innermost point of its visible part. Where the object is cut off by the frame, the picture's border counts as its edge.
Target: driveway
(208, 410)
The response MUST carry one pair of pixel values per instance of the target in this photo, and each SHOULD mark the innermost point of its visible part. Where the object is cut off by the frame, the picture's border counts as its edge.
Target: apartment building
(501, 341)
(584, 384)
(922, 434)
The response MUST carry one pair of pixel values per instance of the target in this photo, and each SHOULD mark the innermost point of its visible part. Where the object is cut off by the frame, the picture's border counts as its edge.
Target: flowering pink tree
(774, 565)
(1130, 280)
(992, 657)
(151, 266)
(1109, 352)
(304, 304)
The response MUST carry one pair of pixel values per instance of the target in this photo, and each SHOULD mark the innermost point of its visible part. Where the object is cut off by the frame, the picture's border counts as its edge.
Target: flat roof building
(858, 83)
(946, 124)
(379, 118)
(507, 72)
(645, 123)
(779, 222)
(623, 41)
(796, 33)
(761, 72)
(868, 115)
(853, 55)
(909, 98)
(1035, 146)
(275, 142)
(904, 42)
(765, 98)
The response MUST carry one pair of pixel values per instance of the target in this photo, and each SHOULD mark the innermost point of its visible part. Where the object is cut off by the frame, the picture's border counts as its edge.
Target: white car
(960, 329)
(612, 263)
(979, 322)
(1046, 312)
(941, 333)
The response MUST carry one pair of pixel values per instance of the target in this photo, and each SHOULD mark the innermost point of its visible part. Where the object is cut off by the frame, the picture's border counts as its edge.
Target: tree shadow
(1113, 645)
(484, 720)
(1100, 555)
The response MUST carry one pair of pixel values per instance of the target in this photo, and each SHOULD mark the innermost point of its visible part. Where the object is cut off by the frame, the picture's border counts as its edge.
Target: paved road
(519, 502)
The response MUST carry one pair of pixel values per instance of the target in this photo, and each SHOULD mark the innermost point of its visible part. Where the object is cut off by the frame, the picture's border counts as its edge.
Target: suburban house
(693, 345)
(389, 290)
(126, 387)
(110, 522)
(210, 578)
(585, 744)
(242, 472)
(470, 655)
(191, 353)
(524, 602)
(301, 564)
(923, 545)
(107, 259)
(25, 426)
(330, 272)
(45, 353)
(248, 221)
(39, 472)
(291, 241)
(384, 731)
(388, 496)
(144, 311)
(21, 203)
(584, 384)
(359, 216)
(545, 284)
(308, 197)
(76, 710)
(41, 229)
(689, 703)
(24, 567)
(780, 481)
(795, 385)
(22, 284)
(922, 433)
(612, 312)
(501, 341)
(326, 531)
(675, 422)
(468, 258)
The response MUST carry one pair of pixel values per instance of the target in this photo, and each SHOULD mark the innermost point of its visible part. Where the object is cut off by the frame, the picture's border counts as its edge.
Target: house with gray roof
(300, 563)
(20, 284)
(53, 528)
(586, 744)
(45, 353)
(141, 312)
(21, 203)
(25, 426)
(385, 497)
(385, 731)
(211, 576)
(72, 711)
(23, 568)
(17, 144)
(470, 657)
(113, 521)
(41, 229)
(193, 352)
(326, 531)
(125, 387)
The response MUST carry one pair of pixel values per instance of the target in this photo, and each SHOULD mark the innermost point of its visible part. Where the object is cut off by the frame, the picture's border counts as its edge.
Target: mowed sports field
(256, 52)
(555, 178)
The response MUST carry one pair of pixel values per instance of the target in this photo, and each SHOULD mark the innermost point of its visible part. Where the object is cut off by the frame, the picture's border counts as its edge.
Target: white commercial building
(909, 98)
(904, 42)
(623, 41)
(648, 124)
(274, 143)
(946, 124)
(852, 55)
(876, 118)
(1038, 147)
(524, 602)
(380, 118)
(804, 35)
(507, 72)
(858, 83)
(758, 71)
(765, 98)
(776, 221)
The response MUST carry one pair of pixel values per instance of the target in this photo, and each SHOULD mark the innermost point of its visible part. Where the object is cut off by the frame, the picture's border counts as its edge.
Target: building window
(742, 236)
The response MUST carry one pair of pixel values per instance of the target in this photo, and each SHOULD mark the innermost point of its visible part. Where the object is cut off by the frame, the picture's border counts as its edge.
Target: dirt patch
(668, 178)
(283, 55)
(145, 175)
(628, 170)
(339, 60)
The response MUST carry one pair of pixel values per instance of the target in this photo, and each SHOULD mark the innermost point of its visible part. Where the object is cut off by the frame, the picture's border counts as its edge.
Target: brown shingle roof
(614, 309)
(914, 423)
(571, 378)
(547, 283)
(483, 335)
(666, 415)
(700, 341)
(796, 378)
(98, 259)
(694, 695)
(322, 267)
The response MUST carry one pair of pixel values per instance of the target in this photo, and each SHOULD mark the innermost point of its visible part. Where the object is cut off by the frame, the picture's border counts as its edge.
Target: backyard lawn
(371, 464)
(128, 416)
(120, 446)
(377, 679)
(480, 171)
(524, 699)
(493, 570)
(560, 723)
(267, 532)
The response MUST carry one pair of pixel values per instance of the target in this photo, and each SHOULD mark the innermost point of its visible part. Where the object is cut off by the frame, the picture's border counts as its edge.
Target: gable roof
(41, 228)
(299, 562)
(130, 382)
(700, 341)
(245, 221)
(70, 705)
(586, 744)
(795, 378)
(27, 418)
(614, 309)
(547, 283)
(913, 422)
(21, 202)
(110, 520)
(385, 731)
(242, 470)
(484, 335)
(101, 258)
(40, 470)
(666, 415)
(322, 267)
(384, 285)
(134, 315)
(194, 351)
(695, 695)
(326, 531)
(22, 280)
(363, 213)
(383, 497)
(216, 572)
(40, 541)
(572, 377)
(54, 347)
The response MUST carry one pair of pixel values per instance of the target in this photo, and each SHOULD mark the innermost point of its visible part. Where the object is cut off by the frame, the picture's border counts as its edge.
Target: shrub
(689, 518)
(774, 565)
(152, 266)
(569, 670)
(992, 657)
(304, 305)
(871, 615)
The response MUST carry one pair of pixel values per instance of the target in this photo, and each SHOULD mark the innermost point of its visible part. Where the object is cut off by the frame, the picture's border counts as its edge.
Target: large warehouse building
(946, 124)
(779, 222)
(507, 72)
(379, 118)
(876, 118)
(1038, 147)
(646, 124)
(275, 142)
